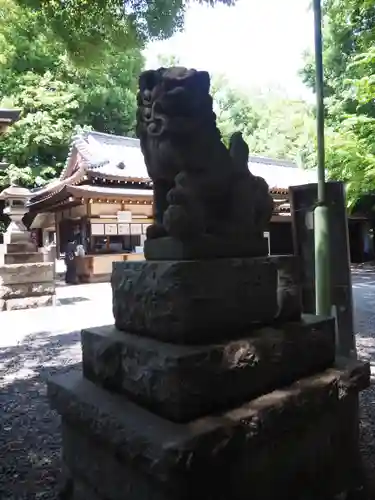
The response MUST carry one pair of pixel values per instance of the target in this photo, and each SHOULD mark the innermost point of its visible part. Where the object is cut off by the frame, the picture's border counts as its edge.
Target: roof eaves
(9, 115)
(114, 139)
(57, 186)
(271, 161)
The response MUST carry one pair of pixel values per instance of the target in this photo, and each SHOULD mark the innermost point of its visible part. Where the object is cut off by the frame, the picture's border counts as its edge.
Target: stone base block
(183, 382)
(300, 441)
(289, 292)
(206, 247)
(39, 272)
(83, 492)
(18, 291)
(20, 247)
(193, 301)
(23, 258)
(29, 302)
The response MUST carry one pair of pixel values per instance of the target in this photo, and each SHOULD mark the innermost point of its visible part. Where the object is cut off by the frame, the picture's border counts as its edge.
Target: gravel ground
(30, 443)
(364, 316)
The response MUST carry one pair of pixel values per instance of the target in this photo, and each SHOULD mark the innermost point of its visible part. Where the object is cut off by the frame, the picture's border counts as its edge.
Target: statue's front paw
(180, 223)
(156, 231)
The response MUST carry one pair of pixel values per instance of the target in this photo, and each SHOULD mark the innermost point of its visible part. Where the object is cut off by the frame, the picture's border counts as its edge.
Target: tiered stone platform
(25, 280)
(210, 386)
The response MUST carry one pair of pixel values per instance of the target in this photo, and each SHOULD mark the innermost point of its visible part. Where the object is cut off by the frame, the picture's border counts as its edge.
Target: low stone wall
(299, 442)
(24, 286)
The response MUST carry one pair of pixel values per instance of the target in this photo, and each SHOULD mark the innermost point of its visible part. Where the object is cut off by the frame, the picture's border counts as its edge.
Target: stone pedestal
(172, 410)
(303, 201)
(25, 280)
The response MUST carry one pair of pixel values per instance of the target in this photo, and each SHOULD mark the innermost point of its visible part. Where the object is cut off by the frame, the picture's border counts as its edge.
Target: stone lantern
(26, 281)
(16, 199)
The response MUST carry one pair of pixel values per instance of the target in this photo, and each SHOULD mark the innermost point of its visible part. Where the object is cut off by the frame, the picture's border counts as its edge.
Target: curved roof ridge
(82, 146)
(113, 138)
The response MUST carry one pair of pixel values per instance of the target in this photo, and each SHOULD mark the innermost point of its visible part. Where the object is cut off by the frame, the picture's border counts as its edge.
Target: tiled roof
(280, 174)
(110, 155)
(55, 185)
(110, 150)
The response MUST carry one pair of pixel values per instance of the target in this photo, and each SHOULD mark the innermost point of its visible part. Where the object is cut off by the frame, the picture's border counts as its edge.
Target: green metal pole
(321, 214)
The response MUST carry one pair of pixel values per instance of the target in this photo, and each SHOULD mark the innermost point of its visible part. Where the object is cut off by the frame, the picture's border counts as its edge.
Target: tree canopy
(349, 71)
(55, 95)
(272, 124)
(82, 24)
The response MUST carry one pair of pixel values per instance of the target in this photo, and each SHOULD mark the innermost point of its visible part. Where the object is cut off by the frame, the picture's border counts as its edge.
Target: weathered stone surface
(26, 290)
(26, 273)
(183, 382)
(298, 439)
(29, 302)
(22, 258)
(204, 194)
(193, 301)
(207, 247)
(289, 294)
(94, 460)
(82, 491)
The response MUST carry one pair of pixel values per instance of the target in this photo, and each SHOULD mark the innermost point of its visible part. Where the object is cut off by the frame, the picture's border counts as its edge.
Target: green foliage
(349, 70)
(272, 124)
(56, 95)
(234, 110)
(84, 24)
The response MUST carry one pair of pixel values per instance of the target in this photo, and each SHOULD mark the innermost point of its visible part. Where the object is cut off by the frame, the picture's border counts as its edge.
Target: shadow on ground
(30, 438)
(69, 301)
(30, 441)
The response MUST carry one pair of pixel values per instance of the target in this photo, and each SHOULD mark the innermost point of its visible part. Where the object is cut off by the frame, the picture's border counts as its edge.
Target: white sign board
(97, 229)
(267, 236)
(136, 229)
(110, 228)
(124, 216)
(123, 229)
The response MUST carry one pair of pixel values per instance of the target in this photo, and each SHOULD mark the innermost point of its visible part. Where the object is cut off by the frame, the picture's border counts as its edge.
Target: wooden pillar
(57, 228)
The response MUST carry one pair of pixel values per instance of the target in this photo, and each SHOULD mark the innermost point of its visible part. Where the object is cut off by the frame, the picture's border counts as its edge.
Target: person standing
(70, 262)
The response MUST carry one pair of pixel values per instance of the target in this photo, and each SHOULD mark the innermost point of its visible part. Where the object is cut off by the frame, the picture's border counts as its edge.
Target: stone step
(17, 237)
(27, 303)
(38, 272)
(20, 247)
(22, 258)
(301, 438)
(18, 291)
(182, 382)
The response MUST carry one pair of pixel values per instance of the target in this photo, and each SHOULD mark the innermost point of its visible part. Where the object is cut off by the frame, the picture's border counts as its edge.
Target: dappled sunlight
(30, 437)
(35, 344)
(38, 353)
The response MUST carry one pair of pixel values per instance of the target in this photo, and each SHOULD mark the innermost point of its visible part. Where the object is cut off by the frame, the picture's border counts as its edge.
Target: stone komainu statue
(201, 189)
